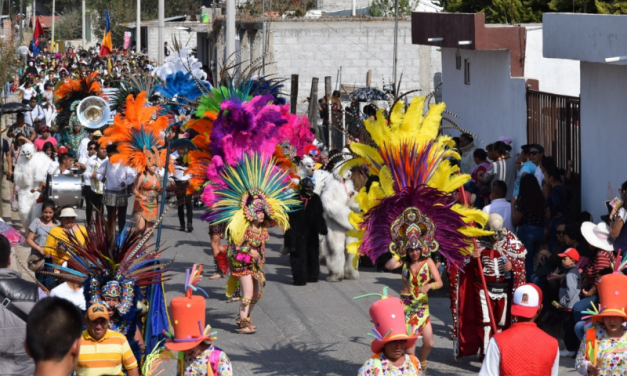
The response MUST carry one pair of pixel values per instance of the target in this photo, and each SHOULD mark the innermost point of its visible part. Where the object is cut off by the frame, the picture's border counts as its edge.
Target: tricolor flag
(38, 32)
(107, 45)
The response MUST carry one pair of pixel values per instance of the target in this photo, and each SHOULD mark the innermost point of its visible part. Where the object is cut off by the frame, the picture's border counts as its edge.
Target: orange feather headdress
(139, 135)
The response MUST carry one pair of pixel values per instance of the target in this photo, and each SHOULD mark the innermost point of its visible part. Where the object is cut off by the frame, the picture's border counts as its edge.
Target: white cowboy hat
(67, 212)
(597, 235)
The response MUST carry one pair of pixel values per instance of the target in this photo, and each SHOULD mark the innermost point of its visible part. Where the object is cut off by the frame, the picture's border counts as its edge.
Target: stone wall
(319, 48)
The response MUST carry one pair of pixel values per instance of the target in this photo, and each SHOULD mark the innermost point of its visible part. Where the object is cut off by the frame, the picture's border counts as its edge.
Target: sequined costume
(416, 303)
(148, 209)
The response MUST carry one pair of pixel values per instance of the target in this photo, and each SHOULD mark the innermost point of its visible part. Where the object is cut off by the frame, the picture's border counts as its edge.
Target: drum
(65, 190)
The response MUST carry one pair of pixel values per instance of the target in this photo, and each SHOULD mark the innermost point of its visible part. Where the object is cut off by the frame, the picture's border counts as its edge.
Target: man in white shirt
(71, 291)
(116, 179)
(82, 147)
(82, 163)
(499, 204)
(35, 115)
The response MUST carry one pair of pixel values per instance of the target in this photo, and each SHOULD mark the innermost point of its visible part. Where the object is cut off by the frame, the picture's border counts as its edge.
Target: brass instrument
(93, 112)
(96, 185)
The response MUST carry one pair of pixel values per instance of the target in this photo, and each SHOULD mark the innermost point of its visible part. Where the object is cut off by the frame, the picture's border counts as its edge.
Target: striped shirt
(106, 356)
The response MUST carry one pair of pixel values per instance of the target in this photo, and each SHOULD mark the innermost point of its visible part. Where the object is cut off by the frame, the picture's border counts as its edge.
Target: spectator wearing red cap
(570, 287)
(523, 349)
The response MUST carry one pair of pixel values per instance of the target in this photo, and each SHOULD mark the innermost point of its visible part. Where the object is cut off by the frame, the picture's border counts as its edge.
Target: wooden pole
(294, 94)
(327, 95)
(313, 106)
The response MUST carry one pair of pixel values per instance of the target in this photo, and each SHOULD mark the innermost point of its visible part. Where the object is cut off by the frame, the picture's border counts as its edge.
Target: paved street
(317, 329)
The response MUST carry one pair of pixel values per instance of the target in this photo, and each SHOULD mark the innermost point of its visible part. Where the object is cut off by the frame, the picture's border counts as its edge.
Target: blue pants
(580, 329)
(532, 238)
(583, 305)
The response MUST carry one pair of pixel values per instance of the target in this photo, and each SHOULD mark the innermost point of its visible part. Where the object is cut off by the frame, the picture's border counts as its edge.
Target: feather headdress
(255, 180)
(139, 136)
(412, 164)
(74, 90)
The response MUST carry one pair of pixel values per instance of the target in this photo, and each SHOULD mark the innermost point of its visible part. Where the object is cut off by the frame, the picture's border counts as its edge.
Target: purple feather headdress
(433, 203)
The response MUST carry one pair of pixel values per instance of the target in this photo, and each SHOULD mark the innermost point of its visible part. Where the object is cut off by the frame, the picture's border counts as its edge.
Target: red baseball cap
(527, 300)
(570, 252)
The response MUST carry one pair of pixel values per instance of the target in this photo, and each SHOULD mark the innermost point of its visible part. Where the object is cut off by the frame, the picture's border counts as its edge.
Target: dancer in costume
(412, 207)
(413, 234)
(602, 352)
(501, 257)
(146, 189)
(113, 271)
(255, 195)
(140, 147)
(392, 337)
(197, 356)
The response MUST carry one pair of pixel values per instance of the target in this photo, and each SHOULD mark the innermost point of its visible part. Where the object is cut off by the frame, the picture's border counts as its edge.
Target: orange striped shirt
(106, 356)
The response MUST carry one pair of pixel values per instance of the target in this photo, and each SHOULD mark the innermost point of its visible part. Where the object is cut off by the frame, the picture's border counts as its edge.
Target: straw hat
(67, 212)
(597, 235)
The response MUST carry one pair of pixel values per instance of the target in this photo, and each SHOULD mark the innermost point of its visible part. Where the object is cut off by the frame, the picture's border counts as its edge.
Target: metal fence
(553, 122)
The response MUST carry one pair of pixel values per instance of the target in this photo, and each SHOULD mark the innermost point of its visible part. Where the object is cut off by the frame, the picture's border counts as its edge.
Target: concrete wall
(319, 48)
(584, 37)
(556, 76)
(603, 135)
(169, 33)
(494, 104)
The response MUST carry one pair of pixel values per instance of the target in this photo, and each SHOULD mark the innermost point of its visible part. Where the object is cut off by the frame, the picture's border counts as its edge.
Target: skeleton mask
(28, 150)
(495, 223)
(308, 165)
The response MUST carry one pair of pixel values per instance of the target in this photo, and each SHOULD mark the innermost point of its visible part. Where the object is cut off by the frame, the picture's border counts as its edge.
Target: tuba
(93, 112)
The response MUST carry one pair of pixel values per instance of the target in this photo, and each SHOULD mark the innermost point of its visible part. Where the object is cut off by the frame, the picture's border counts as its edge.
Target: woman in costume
(411, 211)
(256, 195)
(602, 352)
(147, 188)
(418, 271)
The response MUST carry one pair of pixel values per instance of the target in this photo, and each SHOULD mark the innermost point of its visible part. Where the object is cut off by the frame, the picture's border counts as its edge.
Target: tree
(387, 8)
(69, 25)
(8, 63)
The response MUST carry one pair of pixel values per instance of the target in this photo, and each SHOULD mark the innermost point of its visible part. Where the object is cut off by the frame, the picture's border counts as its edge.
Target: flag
(38, 32)
(107, 45)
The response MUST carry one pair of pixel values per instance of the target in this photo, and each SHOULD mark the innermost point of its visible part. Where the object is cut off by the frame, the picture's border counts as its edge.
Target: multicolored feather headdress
(411, 161)
(73, 91)
(139, 135)
(253, 184)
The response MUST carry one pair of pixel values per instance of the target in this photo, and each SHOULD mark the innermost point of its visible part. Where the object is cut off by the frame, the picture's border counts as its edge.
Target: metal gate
(553, 122)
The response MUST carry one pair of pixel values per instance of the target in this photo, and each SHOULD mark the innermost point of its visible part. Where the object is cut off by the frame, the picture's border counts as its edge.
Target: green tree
(610, 7)
(69, 25)
(387, 8)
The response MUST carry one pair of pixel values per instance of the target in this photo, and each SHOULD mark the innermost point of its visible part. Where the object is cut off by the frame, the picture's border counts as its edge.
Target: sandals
(245, 326)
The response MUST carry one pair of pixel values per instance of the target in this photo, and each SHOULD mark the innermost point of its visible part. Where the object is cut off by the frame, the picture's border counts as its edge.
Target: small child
(570, 287)
(196, 355)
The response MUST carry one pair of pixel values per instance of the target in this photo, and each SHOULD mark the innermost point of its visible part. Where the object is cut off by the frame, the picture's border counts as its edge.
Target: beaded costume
(413, 205)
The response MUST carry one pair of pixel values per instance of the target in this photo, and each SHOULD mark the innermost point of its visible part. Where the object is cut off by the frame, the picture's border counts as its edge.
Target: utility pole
(230, 28)
(263, 42)
(138, 33)
(53, 15)
(160, 36)
(22, 16)
(83, 18)
(395, 45)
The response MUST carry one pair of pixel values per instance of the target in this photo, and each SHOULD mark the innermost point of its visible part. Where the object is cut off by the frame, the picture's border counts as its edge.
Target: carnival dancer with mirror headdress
(411, 212)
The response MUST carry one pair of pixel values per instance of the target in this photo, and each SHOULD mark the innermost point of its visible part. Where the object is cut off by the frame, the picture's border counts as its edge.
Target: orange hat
(388, 317)
(188, 317)
(612, 296)
(97, 311)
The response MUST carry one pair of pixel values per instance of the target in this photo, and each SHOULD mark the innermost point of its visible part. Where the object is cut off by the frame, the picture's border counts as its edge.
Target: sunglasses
(534, 152)
(560, 232)
(91, 149)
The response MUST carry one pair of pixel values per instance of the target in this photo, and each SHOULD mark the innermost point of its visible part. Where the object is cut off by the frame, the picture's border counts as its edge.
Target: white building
(486, 70)
(589, 41)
